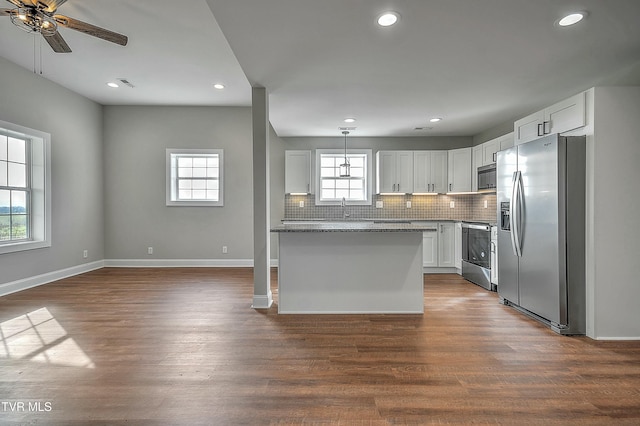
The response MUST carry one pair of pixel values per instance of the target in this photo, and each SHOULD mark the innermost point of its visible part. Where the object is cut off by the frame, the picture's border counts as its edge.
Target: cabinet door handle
(546, 127)
(540, 129)
(449, 187)
(495, 157)
(308, 188)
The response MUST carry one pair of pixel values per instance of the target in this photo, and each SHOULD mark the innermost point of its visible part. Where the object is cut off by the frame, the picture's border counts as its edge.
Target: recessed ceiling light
(218, 86)
(388, 18)
(435, 119)
(572, 18)
(113, 85)
(349, 120)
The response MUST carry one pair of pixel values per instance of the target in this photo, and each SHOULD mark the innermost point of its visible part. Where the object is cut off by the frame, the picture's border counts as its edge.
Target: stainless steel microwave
(487, 178)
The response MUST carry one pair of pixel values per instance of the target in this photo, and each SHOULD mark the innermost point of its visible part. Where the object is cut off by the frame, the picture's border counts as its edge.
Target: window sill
(23, 246)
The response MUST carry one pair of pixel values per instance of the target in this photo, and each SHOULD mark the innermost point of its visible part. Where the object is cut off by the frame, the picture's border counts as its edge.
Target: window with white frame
(25, 207)
(195, 177)
(331, 188)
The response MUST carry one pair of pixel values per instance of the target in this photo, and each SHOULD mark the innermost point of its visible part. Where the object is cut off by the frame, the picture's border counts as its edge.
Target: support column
(262, 298)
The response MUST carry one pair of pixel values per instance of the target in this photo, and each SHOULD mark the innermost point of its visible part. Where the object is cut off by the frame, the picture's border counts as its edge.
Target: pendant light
(345, 168)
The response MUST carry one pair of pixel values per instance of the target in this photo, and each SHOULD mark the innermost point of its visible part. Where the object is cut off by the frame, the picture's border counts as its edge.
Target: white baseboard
(26, 283)
(262, 301)
(178, 263)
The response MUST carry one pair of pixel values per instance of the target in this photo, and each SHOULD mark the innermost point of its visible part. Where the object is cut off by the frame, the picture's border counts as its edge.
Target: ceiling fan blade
(92, 30)
(57, 43)
(4, 12)
(49, 6)
(16, 3)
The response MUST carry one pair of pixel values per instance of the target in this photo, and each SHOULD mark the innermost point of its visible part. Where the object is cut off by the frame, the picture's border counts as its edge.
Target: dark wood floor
(182, 346)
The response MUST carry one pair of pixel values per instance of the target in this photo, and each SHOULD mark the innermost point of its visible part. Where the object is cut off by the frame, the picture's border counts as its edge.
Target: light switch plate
(452, 204)
(485, 204)
(379, 204)
(301, 204)
(408, 204)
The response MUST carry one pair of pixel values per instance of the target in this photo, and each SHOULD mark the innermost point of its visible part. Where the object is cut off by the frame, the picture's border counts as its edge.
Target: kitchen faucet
(345, 212)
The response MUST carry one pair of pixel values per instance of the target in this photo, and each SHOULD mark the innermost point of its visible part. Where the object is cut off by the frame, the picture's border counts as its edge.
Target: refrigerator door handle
(515, 212)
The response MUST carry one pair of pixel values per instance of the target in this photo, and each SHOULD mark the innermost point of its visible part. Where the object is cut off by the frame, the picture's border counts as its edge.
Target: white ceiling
(475, 63)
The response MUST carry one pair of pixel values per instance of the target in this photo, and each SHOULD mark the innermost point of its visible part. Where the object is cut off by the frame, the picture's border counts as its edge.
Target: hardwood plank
(182, 346)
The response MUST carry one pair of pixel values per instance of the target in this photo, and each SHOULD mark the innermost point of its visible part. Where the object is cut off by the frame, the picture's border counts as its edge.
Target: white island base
(350, 273)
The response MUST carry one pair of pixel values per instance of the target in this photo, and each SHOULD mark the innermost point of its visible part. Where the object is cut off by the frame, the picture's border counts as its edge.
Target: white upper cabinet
(506, 141)
(459, 170)
(429, 171)
(297, 172)
(477, 160)
(489, 150)
(558, 118)
(395, 171)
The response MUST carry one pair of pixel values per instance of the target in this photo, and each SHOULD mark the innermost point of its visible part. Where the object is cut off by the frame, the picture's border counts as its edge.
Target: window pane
(184, 184)
(357, 172)
(342, 193)
(199, 162)
(19, 202)
(17, 175)
(17, 150)
(3, 173)
(328, 193)
(356, 161)
(184, 172)
(19, 227)
(342, 183)
(5, 228)
(213, 161)
(212, 195)
(199, 172)
(185, 162)
(3, 147)
(328, 183)
(213, 172)
(356, 184)
(5, 201)
(213, 184)
(199, 184)
(199, 194)
(184, 194)
(328, 172)
(327, 161)
(357, 194)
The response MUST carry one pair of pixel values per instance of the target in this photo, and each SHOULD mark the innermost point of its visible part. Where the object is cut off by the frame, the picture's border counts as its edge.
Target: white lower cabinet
(430, 249)
(446, 245)
(439, 246)
(457, 244)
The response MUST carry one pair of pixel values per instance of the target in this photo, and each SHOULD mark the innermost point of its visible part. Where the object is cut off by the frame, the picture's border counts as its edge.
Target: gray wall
(135, 140)
(378, 143)
(613, 146)
(75, 125)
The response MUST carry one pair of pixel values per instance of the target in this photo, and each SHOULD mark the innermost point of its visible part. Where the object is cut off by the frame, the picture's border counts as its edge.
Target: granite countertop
(351, 226)
(381, 220)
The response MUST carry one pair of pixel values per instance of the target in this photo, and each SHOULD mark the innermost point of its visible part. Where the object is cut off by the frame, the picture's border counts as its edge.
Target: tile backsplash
(469, 207)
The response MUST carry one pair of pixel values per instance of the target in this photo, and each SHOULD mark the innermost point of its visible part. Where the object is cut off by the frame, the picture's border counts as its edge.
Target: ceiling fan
(39, 16)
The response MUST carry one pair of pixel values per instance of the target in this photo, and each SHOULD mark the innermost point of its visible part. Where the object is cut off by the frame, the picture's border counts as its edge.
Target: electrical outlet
(452, 204)
(301, 204)
(224, 249)
(85, 254)
(379, 204)
(408, 204)
(149, 250)
(485, 204)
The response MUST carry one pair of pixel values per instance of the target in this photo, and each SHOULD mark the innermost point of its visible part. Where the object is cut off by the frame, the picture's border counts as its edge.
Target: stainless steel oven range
(476, 254)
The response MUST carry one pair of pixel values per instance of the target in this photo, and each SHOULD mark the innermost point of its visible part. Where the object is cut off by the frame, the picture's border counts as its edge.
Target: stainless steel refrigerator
(541, 230)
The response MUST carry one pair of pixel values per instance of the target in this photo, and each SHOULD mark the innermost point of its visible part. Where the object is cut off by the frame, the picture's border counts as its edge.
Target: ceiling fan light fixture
(33, 21)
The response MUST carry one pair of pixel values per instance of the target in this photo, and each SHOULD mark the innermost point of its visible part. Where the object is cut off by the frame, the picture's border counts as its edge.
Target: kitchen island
(350, 268)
